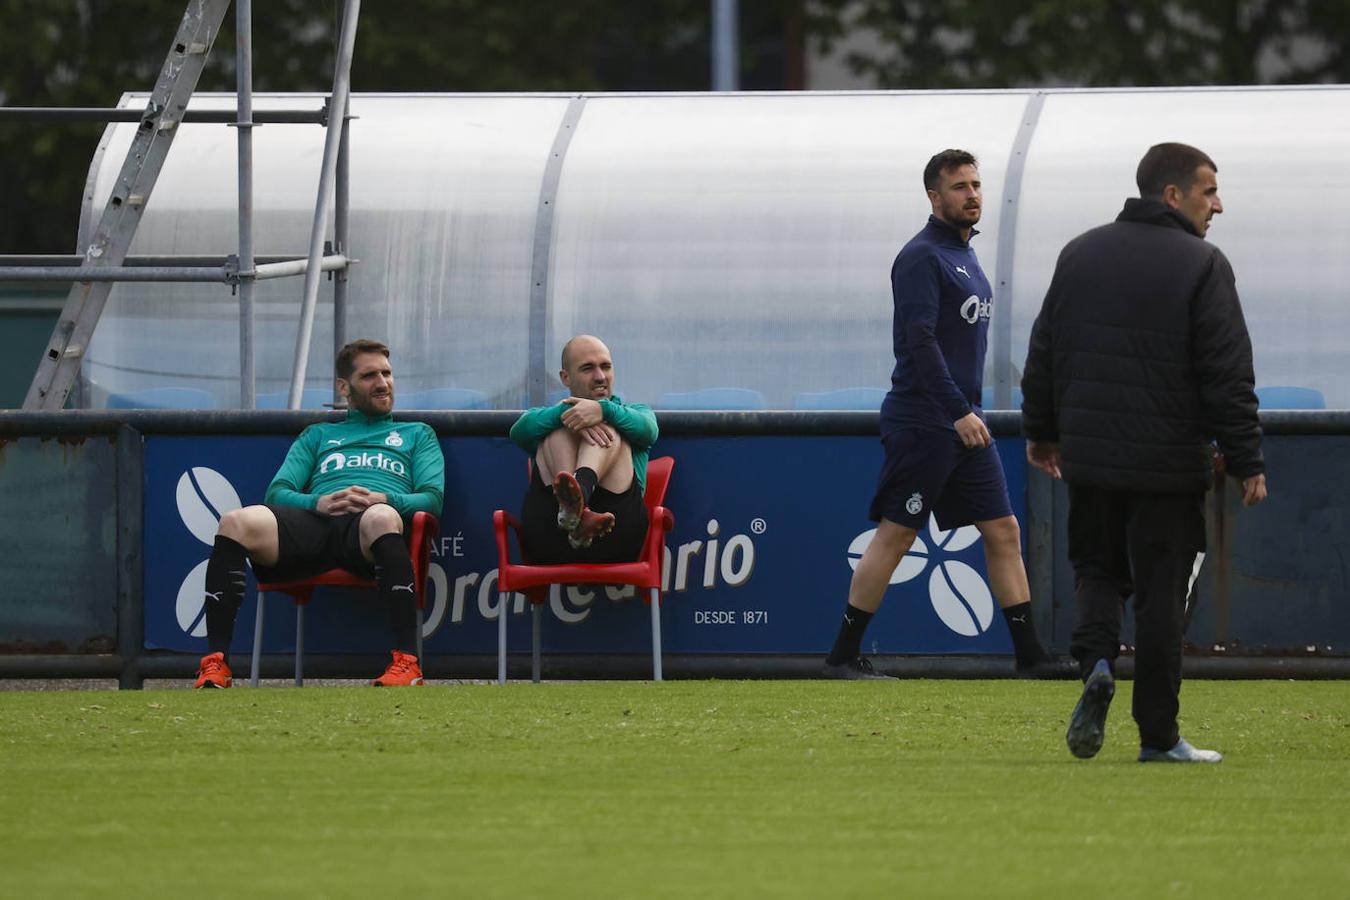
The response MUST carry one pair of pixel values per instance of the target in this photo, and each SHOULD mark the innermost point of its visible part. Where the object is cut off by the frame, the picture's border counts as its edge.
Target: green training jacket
(399, 459)
(635, 422)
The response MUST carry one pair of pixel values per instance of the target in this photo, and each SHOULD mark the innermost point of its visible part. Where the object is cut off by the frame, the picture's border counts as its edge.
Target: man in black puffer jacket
(1138, 360)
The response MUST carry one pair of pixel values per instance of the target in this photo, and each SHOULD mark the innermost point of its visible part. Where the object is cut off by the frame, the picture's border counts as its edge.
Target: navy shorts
(932, 472)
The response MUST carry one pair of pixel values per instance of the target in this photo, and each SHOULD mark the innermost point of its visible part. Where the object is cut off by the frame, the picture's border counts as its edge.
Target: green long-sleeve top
(633, 421)
(401, 460)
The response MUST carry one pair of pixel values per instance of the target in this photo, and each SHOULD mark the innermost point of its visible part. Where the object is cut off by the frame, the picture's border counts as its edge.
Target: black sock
(846, 646)
(394, 575)
(1026, 648)
(226, 577)
(588, 480)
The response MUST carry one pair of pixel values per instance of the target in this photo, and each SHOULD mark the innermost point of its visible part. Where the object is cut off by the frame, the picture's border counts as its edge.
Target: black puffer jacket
(1140, 357)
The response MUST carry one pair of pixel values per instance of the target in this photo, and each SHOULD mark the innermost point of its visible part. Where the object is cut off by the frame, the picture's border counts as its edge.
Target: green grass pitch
(684, 789)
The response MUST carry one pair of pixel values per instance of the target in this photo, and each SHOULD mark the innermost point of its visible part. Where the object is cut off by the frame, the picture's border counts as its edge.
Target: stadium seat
(163, 398)
(534, 581)
(845, 398)
(310, 398)
(1287, 397)
(425, 528)
(725, 398)
(445, 398)
(556, 397)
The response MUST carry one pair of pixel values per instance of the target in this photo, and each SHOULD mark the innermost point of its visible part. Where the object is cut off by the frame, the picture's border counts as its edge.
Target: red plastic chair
(425, 528)
(533, 580)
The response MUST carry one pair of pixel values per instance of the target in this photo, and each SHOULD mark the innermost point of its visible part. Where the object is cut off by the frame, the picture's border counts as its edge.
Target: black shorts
(929, 472)
(544, 543)
(309, 542)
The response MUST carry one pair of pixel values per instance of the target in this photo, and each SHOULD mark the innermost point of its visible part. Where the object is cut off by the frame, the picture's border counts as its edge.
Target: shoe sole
(1170, 760)
(593, 525)
(416, 682)
(571, 506)
(1087, 725)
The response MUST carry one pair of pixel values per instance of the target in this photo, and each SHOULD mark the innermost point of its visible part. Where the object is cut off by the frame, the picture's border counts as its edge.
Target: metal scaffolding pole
(140, 260)
(195, 116)
(333, 263)
(227, 273)
(341, 91)
(725, 46)
(341, 232)
(243, 51)
(91, 274)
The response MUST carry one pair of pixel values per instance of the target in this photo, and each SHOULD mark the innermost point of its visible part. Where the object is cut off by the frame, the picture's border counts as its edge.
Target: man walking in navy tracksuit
(940, 458)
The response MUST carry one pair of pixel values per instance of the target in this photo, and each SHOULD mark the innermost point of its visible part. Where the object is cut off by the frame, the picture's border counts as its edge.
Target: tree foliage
(88, 52)
(1034, 43)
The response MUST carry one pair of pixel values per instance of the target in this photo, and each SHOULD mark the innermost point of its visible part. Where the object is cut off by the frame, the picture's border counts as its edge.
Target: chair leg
(299, 645)
(420, 661)
(538, 614)
(502, 597)
(656, 634)
(257, 641)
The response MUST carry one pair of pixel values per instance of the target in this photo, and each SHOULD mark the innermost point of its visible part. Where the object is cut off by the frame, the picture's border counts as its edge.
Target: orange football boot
(213, 672)
(402, 672)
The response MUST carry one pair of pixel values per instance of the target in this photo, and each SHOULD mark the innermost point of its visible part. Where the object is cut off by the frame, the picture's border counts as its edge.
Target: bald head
(587, 370)
(581, 339)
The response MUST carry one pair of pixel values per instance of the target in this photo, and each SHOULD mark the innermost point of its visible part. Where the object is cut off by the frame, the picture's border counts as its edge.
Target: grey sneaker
(1087, 725)
(1182, 752)
(858, 669)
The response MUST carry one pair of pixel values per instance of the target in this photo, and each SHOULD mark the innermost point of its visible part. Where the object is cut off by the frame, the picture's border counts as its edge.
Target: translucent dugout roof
(712, 240)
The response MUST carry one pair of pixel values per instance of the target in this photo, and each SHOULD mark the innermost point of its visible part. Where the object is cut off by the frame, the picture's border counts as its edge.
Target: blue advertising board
(767, 530)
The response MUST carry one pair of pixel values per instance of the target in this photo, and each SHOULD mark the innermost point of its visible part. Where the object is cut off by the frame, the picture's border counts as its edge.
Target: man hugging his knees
(584, 503)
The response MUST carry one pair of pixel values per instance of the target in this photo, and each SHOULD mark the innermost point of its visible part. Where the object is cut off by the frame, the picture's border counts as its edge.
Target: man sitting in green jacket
(584, 502)
(340, 499)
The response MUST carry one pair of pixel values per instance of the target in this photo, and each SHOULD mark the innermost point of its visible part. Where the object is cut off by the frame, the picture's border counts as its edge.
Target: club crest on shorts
(914, 505)
(394, 439)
